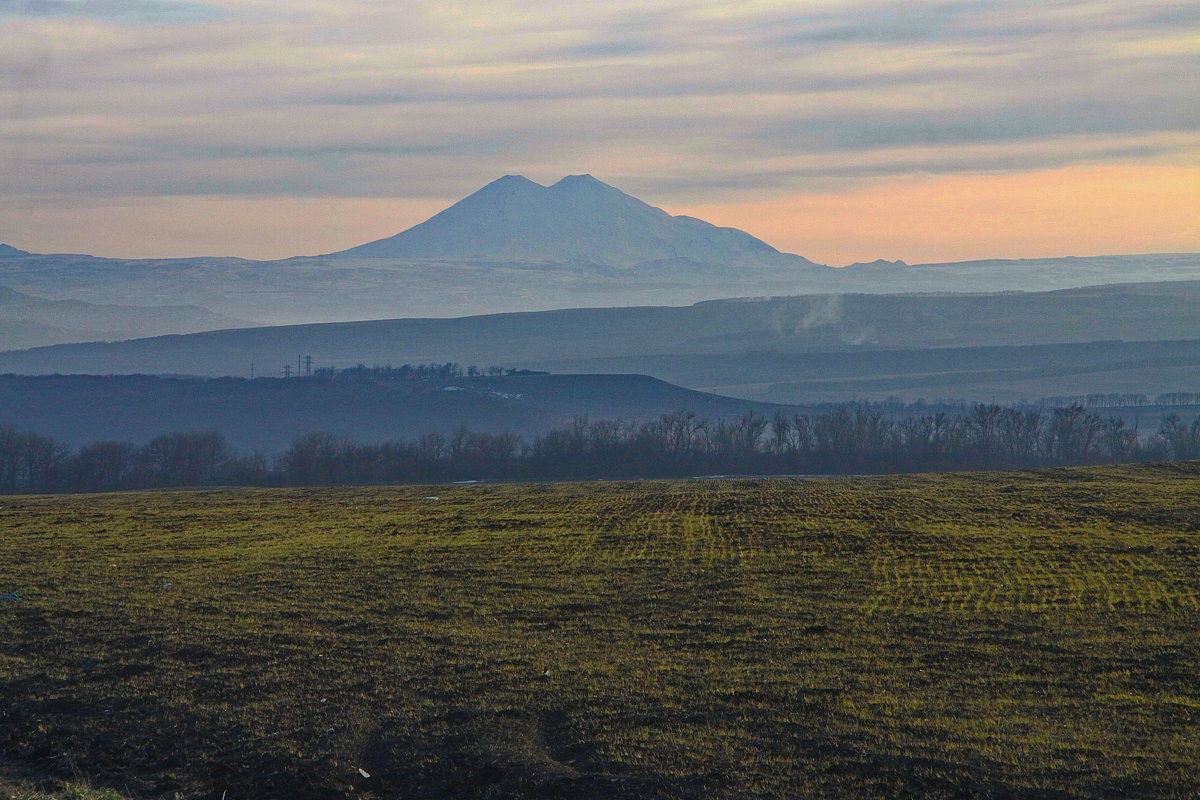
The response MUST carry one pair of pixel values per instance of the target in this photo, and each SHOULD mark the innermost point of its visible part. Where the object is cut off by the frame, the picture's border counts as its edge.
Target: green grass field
(999, 635)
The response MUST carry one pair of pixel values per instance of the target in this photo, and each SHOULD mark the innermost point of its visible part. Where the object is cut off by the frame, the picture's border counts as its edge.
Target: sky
(842, 131)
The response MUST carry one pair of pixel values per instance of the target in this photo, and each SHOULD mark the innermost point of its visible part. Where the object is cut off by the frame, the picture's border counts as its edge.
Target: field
(990, 635)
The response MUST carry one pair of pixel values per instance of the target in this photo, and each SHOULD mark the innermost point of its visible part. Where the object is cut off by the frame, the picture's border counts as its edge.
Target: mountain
(8, 251)
(27, 321)
(518, 246)
(579, 219)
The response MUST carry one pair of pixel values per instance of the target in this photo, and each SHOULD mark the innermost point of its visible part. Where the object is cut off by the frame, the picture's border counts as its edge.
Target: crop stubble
(1020, 634)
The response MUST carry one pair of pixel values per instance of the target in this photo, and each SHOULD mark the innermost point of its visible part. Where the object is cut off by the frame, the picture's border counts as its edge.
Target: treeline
(30, 462)
(417, 372)
(848, 440)
(1120, 399)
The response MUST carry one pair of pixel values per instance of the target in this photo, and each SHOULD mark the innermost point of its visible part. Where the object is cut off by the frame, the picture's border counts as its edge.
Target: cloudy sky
(842, 131)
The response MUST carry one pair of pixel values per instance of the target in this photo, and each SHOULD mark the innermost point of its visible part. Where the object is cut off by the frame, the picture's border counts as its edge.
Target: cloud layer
(688, 104)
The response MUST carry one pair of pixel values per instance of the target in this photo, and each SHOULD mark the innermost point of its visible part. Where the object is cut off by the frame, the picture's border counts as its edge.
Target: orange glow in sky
(1085, 210)
(838, 130)
(1082, 210)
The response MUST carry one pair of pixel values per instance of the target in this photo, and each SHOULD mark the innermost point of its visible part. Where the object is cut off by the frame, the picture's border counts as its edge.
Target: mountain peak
(7, 250)
(578, 219)
(512, 182)
(584, 179)
(588, 186)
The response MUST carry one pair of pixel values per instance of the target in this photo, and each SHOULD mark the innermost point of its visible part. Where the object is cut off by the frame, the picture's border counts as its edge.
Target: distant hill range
(267, 413)
(516, 245)
(981, 373)
(787, 349)
(27, 321)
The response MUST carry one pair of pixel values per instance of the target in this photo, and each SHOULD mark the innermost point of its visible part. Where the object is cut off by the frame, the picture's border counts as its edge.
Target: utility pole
(251, 370)
(308, 365)
(299, 366)
(287, 370)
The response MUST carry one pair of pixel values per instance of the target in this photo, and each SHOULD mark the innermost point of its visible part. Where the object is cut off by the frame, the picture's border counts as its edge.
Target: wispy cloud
(130, 11)
(677, 100)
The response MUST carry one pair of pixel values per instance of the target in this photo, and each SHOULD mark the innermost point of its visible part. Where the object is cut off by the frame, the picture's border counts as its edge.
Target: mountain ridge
(30, 321)
(324, 289)
(523, 339)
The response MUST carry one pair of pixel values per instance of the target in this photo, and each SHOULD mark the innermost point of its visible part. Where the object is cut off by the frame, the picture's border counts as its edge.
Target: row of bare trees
(848, 440)
(1117, 399)
(417, 372)
(861, 439)
(30, 462)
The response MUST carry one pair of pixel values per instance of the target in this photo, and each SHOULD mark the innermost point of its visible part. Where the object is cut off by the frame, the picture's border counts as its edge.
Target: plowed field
(1019, 634)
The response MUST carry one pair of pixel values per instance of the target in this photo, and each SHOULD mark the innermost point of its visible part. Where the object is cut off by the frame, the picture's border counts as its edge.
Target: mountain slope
(27, 321)
(336, 289)
(578, 219)
(1023, 274)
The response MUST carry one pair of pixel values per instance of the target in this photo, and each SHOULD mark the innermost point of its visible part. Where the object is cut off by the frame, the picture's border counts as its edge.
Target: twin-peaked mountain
(516, 246)
(576, 220)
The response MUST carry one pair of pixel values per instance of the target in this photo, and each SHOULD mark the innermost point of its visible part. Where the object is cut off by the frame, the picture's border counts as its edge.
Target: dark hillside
(268, 413)
(849, 363)
(1003, 374)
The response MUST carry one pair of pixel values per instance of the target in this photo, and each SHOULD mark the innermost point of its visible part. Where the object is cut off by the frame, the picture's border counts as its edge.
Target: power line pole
(308, 365)
(287, 370)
